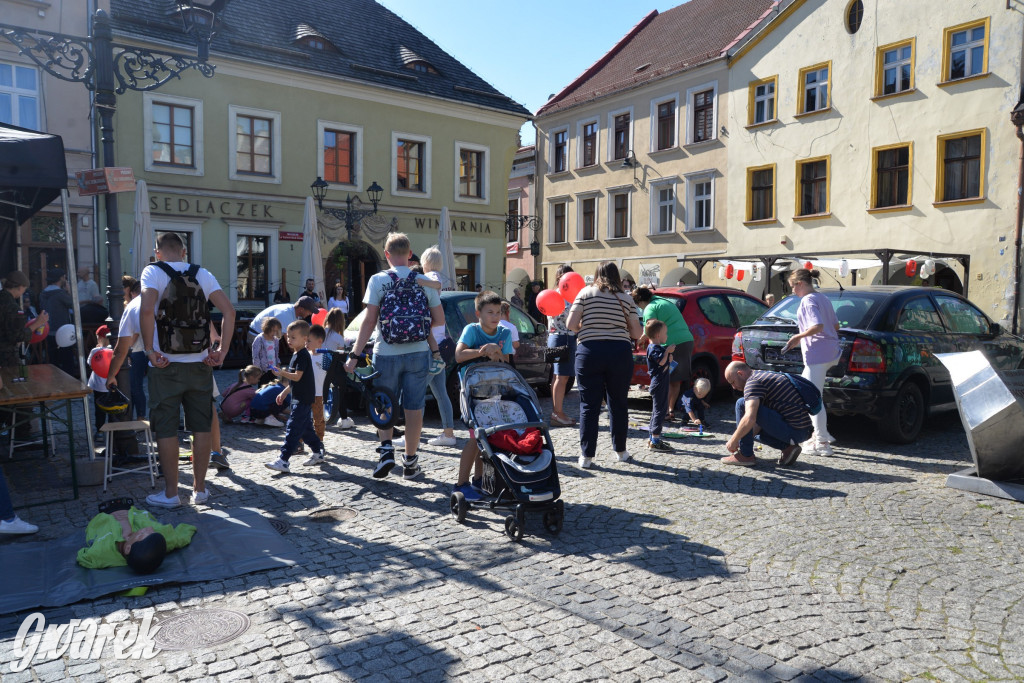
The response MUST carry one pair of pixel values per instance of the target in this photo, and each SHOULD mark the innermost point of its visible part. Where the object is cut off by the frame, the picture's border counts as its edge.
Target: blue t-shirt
(655, 354)
(265, 397)
(692, 404)
(474, 337)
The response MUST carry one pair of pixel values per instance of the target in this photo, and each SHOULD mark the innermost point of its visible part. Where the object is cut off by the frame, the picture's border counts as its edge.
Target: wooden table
(46, 384)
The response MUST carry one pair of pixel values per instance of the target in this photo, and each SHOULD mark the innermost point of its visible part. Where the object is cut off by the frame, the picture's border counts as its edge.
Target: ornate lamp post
(350, 215)
(514, 223)
(111, 69)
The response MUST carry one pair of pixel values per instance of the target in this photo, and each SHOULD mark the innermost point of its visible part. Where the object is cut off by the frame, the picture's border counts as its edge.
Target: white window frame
(485, 177)
(322, 127)
(276, 142)
(967, 48)
(194, 226)
(654, 227)
(580, 125)
(610, 224)
(551, 150)
(562, 199)
(691, 93)
(580, 198)
(412, 137)
(236, 228)
(611, 133)
(692, 180)
(765, 99)
(16, 93)
(897, 65)
(655, 103)
(148, 100)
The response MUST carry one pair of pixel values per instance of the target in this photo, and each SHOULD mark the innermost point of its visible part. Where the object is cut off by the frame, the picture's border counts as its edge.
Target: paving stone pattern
(861, 565)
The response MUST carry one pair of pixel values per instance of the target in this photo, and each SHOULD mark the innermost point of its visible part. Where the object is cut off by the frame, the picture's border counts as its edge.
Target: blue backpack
(809, 393)
(404, 311)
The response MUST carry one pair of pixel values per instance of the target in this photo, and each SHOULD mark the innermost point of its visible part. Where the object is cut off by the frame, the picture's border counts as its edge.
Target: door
(920, 335)
(973, 332)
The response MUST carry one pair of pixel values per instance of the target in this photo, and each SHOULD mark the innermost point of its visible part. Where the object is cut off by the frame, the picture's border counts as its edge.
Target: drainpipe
(1017, 119)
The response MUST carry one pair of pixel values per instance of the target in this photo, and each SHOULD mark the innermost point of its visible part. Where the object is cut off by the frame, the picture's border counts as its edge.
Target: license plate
(774, 354)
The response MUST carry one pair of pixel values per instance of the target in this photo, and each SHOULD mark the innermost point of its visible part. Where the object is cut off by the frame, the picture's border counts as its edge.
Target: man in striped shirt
(772, 409)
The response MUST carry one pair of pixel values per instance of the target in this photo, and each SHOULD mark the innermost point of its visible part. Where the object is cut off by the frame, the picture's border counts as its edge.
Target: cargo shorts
(177, 386)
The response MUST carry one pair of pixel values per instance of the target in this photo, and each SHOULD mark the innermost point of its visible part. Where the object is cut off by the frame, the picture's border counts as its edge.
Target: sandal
(568, 422)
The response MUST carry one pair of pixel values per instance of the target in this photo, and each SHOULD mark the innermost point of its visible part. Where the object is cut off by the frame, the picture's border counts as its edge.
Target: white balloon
(844, 268)
(66, 336)
(721, 272)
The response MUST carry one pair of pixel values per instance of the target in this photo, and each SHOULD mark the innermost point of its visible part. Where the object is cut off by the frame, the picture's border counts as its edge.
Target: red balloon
(320, 317)
(550, 302)
(570, 285)
(40, 334)
(809, 266)
(911, 268)
(100, 362)
(739, 275)
(729, 271)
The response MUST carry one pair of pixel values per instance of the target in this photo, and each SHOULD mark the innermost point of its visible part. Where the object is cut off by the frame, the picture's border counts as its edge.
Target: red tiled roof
(661, 44)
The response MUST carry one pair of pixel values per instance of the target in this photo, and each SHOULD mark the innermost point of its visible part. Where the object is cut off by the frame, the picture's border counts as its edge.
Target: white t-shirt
(156, 279)
(319, 374)
(96, 383)
(130, 325)
(334, 341)
(438, 331)
(88, 291)
(338, 303)
(512, 328)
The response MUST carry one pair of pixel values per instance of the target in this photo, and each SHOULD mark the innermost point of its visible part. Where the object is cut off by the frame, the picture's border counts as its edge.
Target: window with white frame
(701, 189)
(619, 214)
(254, 144)
(340, 160)
(762, 101)
(19, 95)
(410, 172)
(702, 121)
(559, 151)
(587, 143)
(586, 221)
(559, 209)
(664, 123)
(473, 173)
(965, 52)
(663, 207)
(620, 127)
(815, 83)
(255, 250)
(173, 130)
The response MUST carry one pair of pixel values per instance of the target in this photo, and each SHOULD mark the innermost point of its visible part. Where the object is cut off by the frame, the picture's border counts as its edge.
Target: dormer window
(412, 61)
(421, 67)
(308, 37)
(314, 42)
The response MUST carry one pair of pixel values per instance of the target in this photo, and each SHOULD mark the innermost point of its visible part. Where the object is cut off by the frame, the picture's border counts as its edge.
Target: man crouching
(772, 409)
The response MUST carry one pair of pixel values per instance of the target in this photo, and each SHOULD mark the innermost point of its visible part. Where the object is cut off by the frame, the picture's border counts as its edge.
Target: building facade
(301, 93)
(520, 262)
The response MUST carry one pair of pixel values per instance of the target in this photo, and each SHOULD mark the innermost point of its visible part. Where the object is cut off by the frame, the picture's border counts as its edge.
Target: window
(920, 315)
(812, 193)
(523, 323)
(513, 207)
(339, 157)
(854, 15)
(965, 50)
(19, 96)
(173, 129)
(747, 310)
(814, 81)
(410, 176)
(666, 125)
(895, 68)
(588, 146)
(254, 144)
(252, 267)
(620, 139)
(961, 161)
(962, 317)
(558, 222)
(892, 176)
(761, 193)
(715, 310)
(559, 149)
(762, 101)
(619, 226)
(588, 219)
(471, 181)
(702, 188)
(663, 210)
(703, 116)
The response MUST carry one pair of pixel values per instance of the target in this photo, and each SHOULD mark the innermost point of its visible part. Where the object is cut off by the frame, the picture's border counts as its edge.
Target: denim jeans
(659, 404)
(603, 371)
(300, 427)
(444, 404)
(775, 431)
(138, 382)
(6, 507)
(405, 375)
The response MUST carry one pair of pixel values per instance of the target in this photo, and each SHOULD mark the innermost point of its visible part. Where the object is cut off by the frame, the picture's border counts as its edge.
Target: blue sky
(527, 49)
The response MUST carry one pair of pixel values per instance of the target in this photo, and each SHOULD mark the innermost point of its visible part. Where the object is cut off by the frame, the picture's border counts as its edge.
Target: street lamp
(514, 223)
(350, 215)
(111, 69)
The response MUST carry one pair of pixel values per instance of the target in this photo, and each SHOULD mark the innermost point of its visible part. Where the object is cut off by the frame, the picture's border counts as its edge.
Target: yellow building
(632, 154)
(867, 125)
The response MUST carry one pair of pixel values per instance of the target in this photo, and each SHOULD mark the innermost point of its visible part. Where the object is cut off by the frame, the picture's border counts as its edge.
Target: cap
(103, 331)
(16, 278)
(307, 303)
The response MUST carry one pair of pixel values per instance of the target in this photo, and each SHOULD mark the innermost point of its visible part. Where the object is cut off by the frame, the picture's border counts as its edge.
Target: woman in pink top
(819, 342)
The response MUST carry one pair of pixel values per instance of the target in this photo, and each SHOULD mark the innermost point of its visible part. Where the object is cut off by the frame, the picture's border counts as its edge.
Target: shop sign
(479, 227)
(105, 180)
(650, 274)
(289, 236)
(512, 248)
(204, 206)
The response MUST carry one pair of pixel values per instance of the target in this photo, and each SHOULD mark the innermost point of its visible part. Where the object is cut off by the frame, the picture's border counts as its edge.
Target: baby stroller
(520, 476)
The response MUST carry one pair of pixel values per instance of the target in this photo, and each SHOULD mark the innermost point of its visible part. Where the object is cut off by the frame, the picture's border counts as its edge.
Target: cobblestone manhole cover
(332, 515)
(280, 526)
(200, 628)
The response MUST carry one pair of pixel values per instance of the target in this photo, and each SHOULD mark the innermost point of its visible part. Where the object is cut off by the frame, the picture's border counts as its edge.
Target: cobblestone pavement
(857, 566)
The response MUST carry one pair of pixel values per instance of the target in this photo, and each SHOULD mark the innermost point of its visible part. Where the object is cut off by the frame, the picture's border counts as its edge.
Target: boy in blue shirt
(694, 403)
(659, 359)
(484, 340)
(302, 387)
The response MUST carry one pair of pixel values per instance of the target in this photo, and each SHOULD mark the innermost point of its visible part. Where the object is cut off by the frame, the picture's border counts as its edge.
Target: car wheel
(904, 421)
(705, 369)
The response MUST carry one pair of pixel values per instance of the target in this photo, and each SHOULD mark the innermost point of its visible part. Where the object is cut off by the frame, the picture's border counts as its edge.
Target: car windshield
(854, 310)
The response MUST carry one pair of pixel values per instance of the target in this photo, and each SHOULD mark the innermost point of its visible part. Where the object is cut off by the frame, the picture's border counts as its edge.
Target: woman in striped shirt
(606, 322)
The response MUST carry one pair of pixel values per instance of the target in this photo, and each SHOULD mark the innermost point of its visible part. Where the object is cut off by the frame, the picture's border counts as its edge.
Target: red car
(713, 315)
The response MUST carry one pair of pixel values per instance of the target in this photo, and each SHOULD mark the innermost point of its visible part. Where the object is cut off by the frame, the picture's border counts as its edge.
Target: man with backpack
(776, 406)
(175, 319)
(403, 313)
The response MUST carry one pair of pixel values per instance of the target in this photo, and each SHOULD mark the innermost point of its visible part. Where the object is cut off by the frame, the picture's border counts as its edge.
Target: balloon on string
(100, 362)
(320, 317)
(550, 302)
(40, 334)
(844, 268)
(66, 336)
(729, 271)
(911, 269)
(570, 285)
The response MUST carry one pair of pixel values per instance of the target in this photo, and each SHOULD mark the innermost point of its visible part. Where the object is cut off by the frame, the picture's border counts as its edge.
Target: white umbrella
(142, 240)
(312, 260)
(444, 243)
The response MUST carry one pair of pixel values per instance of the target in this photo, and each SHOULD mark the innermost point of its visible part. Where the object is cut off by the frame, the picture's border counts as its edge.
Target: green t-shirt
(666, 311)
(104, 533)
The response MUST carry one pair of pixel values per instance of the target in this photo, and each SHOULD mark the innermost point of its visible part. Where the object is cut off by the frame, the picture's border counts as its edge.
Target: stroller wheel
(459, 507)
(513, 529)
(381, 407)
(553, 520)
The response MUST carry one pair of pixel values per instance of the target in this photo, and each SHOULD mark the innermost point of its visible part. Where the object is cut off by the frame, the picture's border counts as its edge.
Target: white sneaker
(347, 423)
(200, 497)
(278, 465)
(17, 526)
(823, 448)
(442, 441)
(624, 456)
(398, 443)
(315, 459)
(585, 462)
(813, 447)
(162, 501)
(272, 421)
(827, 438)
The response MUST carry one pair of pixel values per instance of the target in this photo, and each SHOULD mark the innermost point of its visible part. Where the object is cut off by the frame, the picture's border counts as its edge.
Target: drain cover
(332, 515)
(280, 526)
(200, 628)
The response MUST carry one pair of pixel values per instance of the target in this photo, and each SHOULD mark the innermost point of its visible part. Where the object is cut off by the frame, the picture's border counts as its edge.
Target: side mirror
(541, 329)
(995, 329)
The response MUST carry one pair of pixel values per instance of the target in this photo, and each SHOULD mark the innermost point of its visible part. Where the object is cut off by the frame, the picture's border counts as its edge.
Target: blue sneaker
(469, 492)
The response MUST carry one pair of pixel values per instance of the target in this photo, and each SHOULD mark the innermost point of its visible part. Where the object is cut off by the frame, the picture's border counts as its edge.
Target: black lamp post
(111, 69)
(350, 215)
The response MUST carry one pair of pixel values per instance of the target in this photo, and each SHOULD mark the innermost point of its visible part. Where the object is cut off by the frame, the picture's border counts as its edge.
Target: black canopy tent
(33, 173)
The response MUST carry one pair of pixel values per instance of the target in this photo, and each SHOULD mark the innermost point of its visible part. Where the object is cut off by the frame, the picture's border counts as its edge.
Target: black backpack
(183, 314)
(809, 393)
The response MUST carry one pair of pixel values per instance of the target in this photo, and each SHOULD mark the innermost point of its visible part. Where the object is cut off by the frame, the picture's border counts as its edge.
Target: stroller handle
(355, 375)
(487, 431)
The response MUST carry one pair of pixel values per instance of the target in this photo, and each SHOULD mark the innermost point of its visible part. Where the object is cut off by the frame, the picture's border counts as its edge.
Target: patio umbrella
(142, 239)
(312, 260)
(444, 243)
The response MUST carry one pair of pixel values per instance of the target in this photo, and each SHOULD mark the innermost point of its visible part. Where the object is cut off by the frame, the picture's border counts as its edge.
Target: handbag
(556, 354)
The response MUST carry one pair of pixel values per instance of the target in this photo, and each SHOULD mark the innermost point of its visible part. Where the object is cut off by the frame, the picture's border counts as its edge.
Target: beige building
(631, 155)
(860, 125)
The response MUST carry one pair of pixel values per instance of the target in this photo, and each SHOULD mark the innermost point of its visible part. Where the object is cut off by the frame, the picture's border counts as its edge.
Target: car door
(919, 335)
(973, 332)
(529, 357)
